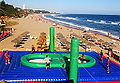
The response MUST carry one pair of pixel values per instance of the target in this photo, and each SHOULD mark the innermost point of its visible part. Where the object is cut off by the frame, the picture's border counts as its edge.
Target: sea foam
(70, 18)
(104, 22)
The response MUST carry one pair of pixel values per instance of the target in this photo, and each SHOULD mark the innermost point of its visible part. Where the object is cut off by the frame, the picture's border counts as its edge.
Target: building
(24, 6)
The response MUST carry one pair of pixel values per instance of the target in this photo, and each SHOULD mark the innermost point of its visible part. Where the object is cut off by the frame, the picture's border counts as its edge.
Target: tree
(1, 12)
(2, 5)
(8, 10)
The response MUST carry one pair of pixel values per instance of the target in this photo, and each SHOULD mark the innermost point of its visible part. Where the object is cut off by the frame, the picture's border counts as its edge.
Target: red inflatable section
(80, 82)
(1, 53)
(101, 82)
(113, 61)
(46, 82)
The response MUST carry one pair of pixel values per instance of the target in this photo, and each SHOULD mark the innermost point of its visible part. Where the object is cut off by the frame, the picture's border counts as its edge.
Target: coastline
(36, 24)
(80, 27)
(100, 36)
(83, 30)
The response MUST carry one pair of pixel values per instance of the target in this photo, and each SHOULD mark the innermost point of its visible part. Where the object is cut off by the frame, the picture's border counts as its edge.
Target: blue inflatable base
(16, 72)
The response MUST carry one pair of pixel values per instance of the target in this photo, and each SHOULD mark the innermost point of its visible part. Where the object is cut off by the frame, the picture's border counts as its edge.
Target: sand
(36, 25)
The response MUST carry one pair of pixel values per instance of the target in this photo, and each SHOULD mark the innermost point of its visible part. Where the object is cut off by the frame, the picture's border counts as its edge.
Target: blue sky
(72, 6)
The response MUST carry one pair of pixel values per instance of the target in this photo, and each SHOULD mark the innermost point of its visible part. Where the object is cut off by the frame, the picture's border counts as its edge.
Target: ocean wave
(115, 23)
(103, 22)
(99, 31)
(89, 20)
(53, 15)
(61, 22)
(70, 18)
(69, 24)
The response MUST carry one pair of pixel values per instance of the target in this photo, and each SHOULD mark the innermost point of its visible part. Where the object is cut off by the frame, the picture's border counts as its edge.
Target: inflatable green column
(74, 60)
(51, 39)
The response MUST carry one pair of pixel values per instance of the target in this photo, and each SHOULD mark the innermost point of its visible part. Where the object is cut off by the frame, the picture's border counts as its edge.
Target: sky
(72, 6)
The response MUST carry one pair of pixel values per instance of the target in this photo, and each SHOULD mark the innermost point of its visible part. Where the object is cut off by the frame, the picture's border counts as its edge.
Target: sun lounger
(23, 40)
(22, 46)
(91, 40)
(25, 37)
(17, 45)
(5, 35)
(116, 51)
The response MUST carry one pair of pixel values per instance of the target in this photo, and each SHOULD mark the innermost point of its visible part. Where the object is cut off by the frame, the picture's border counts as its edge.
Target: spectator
(101, 56)
(67, 50)
(33, 50)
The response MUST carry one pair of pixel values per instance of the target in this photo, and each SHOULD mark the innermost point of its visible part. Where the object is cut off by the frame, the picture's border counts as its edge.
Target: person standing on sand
(33, 50)
(101, 56)
(108, 63)
(7, 59)
(67, 50)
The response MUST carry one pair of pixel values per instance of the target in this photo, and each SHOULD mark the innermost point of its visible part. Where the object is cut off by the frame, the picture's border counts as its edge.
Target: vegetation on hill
(9, 10)
(41, 11)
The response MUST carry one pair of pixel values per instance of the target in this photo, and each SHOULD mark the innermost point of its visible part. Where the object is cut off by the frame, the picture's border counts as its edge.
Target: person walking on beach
(101, 56)
(33, 50)
(108, 63)
(47, 59)
(7, 59)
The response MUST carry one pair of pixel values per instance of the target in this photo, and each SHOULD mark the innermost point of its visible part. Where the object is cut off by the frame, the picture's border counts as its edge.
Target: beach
(35, 24)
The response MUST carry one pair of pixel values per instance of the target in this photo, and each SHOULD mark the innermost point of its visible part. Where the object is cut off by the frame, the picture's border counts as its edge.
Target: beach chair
(17, 45)
(5, 35)
(22, 46)
(24, 37)
(116, 51)
(88, 49)
(23, 40)
(0, 38)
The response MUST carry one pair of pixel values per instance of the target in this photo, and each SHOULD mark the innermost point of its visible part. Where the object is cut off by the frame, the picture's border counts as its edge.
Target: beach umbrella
(43, 33)
(106, 43)
(54, 24)
(16, 40)
(74, 34)
(100, 40)
(23, 34)
(113, 45)
(68, 44)
(93, 37)
(84, 41)
(88, 36)
(90, 44)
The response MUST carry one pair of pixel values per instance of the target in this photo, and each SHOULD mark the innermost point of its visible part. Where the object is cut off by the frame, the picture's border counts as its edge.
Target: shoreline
(36, 24)
(98, 34)
(84, 30)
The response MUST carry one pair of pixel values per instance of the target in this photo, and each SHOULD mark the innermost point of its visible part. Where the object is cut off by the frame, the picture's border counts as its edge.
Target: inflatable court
(16, 72)
(65, 67)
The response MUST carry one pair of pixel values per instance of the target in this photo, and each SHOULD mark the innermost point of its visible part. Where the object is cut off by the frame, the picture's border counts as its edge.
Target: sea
(102, 24)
